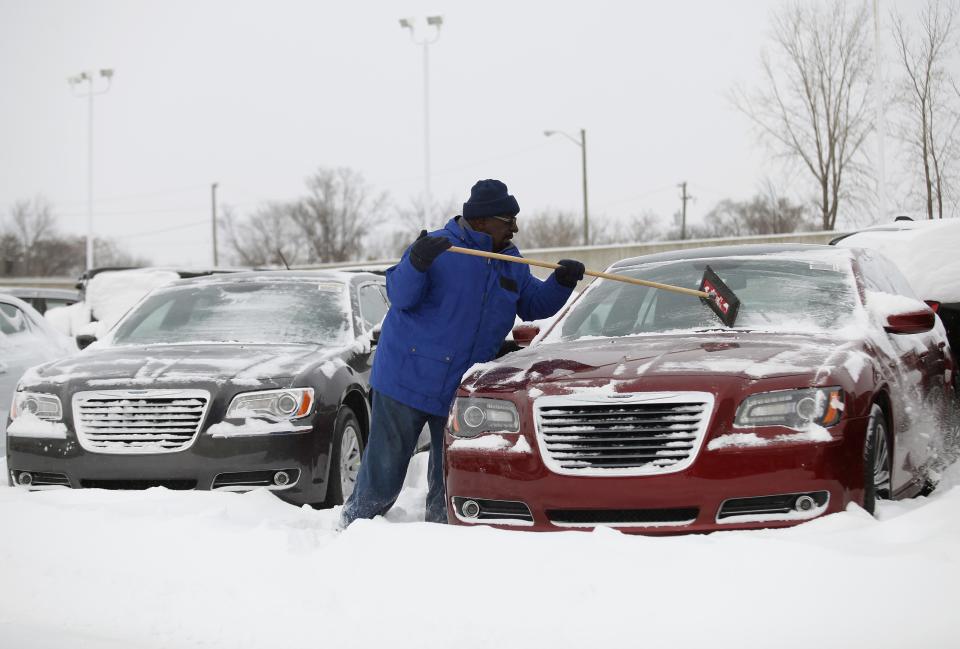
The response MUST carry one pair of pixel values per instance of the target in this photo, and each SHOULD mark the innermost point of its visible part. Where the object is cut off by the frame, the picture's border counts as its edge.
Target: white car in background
(26, 339)
(107, 294)
(927, 252)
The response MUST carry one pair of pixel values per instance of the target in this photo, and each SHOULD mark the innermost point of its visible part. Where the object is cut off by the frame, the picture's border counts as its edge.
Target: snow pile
(254, 426)
(28, 424)
(145, 570)
(108, 296)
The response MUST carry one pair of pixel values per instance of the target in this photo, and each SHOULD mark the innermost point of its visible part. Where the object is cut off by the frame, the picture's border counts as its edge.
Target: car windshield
(775, 293)
(246, 312)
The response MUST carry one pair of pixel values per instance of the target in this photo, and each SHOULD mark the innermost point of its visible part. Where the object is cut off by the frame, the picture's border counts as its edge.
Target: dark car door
(373, 306)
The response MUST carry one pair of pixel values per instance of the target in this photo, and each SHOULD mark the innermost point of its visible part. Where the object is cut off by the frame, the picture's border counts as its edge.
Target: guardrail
(595, 257)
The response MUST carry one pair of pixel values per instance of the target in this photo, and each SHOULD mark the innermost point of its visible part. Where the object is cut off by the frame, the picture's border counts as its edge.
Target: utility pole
(684, 197)
(213, 213)
(582, 143)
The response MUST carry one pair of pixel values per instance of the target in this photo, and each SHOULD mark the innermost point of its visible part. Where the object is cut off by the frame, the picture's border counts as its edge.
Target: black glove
(569, 273)
(425, 249)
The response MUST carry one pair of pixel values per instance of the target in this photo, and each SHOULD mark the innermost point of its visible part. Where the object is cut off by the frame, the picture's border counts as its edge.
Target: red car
(638, 409)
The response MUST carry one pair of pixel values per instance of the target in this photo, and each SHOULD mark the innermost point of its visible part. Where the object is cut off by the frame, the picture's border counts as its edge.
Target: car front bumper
(704, 497)
(231, 464)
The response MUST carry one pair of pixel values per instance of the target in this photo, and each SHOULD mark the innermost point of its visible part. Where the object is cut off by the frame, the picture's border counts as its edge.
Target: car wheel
(877, 461)
(345, 458)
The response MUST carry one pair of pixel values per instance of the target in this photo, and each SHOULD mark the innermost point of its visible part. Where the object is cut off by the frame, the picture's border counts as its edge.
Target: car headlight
(275, 405)
(41, 406)
(472, 416)
(791, 408)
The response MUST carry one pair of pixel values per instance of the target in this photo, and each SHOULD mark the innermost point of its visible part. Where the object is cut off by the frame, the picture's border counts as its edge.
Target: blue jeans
(394, 429)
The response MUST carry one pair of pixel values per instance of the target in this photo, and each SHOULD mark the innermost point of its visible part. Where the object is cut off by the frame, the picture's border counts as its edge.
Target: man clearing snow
(447, 313)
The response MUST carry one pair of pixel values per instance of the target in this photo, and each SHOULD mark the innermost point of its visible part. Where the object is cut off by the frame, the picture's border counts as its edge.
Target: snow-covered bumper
(286, 461)
(505, 480)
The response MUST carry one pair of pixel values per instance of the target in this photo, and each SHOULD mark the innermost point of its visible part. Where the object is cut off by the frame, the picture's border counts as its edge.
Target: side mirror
(911, 322)
(85, 340)
(523, 334)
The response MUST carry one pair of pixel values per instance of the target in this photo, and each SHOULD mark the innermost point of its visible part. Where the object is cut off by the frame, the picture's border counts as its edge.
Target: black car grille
(142, 421)
(179, 485)
(623, 517)
(647, 434)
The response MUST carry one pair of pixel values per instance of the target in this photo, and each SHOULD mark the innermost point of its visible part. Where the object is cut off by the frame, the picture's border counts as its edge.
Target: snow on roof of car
(925, 251)
(792, 250)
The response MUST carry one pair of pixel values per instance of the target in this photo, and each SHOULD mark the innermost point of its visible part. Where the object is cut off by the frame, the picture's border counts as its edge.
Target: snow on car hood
(245, 364)
(748, 355)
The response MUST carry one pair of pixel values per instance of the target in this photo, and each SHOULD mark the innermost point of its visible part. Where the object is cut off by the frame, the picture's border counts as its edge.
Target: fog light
(25, 479)
(804, 504)
(470, 509)
(280, 478)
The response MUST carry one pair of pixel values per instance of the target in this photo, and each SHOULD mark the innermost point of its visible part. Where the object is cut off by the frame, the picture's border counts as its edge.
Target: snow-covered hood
(158, 364)
(747, 355)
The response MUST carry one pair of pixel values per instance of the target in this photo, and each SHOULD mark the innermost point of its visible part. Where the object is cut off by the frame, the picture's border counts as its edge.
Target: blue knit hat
(490, 198)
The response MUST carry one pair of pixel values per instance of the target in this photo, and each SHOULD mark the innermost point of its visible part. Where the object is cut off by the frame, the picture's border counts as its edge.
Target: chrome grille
(634, 434)
(138, 421)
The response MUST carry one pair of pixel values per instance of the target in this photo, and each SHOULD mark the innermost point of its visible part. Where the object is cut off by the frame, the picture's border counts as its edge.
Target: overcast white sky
(255, 95)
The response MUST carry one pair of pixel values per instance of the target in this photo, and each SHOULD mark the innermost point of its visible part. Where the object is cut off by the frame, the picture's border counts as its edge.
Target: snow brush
(713, 292)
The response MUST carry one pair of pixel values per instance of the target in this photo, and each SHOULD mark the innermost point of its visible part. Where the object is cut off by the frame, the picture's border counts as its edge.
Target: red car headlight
(796, 409)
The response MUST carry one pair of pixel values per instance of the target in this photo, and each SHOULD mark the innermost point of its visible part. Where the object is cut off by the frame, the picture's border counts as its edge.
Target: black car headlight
(274, 405)
(40, 405)
(791, 408)
(472, 416)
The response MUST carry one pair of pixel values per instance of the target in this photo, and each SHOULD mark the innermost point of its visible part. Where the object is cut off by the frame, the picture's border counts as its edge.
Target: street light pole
(74, 81)
(435, 22)
(213, 214)
(582, 143)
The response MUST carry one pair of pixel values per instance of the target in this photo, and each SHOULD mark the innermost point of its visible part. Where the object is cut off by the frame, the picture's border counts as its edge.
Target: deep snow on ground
(159, 568)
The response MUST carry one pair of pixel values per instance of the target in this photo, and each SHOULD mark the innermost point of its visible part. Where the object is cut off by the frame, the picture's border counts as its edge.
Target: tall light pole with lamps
(582, 143)
(88, 77)
(432, 35)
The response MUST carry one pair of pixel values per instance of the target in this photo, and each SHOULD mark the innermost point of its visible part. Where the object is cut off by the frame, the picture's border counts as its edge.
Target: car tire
(877, 461)
(344, 457)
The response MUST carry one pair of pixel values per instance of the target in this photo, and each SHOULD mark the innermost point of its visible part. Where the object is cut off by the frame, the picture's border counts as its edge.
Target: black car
(225, 382)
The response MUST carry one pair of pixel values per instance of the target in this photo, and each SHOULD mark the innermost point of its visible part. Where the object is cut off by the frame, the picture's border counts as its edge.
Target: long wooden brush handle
(592, 273)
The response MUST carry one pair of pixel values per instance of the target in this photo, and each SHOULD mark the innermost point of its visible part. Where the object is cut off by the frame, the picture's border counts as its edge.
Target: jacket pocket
(425, 370)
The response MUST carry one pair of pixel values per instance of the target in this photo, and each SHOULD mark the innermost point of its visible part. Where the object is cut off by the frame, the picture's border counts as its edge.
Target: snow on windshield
(814, 293)
(247, 312)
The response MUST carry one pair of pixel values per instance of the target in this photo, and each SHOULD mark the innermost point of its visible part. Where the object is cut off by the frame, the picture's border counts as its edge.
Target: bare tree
(30, 245)
(644, 226)
(417, 215)
(550, 229)
(928, 97)
(30, 223)
(266, 238)
(337, 213)
(813, 105)
(765, 213)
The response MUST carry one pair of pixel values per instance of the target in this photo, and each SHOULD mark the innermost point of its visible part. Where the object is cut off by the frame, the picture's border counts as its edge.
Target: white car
(26, 339)
(927, 252)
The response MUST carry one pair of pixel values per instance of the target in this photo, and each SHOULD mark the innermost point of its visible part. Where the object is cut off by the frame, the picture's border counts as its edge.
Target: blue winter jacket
(455, 314)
